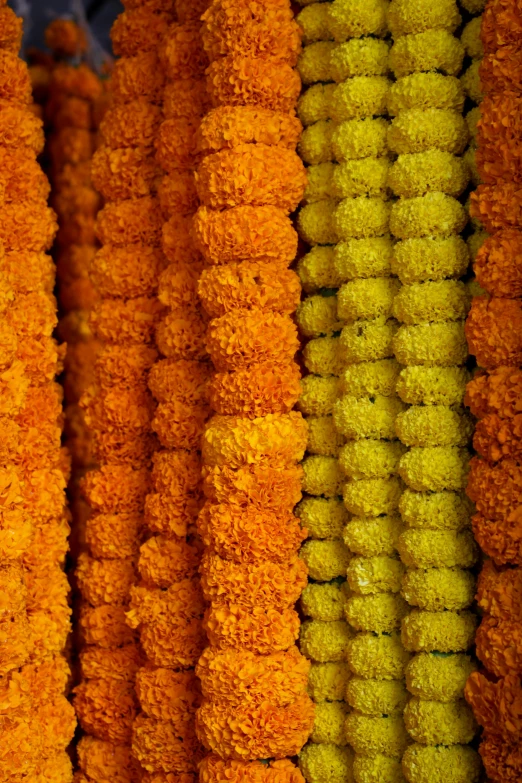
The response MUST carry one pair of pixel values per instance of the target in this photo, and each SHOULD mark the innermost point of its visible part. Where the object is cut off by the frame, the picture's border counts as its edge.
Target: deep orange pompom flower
(498, 264)
(121, 664)
(65, 38)
(180, 426)
(502, 70)
(499, 646)
(167, 695)
(133, 125)
(256, 391)
(177, 193)
(165, 746)
(71, 145)
(98, 758)
(132, 321)
(176, 144)
(262, 486)
(70, 111)
(21, 177)
(500, 539)
(113, 535)
(240, 80)
(15, 81)
(150, 605)
(115, 447)
(498, 206)
(495, 489)
(213, 769)
(182, 336)
(139, 30)
(183, 380)
(136, 221)
(178, 243)
(501, 24)
(186, 99)
(502, 761)
(106, 709)
(173, 643)
(496, 392)
(128, 271)
(123, 173)
(104, 626)
(20, 128)
(494, 331)
(163, 561)
(495, 438)
(27, 226)
(138, 77)
(177, 287)
(499, 153)
(182, 55)
(262, 631)
(105, 581)
(499, 591)
(230, 126)
(115, 488)
(10, 30)
(497, 705)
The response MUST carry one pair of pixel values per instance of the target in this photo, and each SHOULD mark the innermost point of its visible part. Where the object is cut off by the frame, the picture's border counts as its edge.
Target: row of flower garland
(494, 396)
(36, 720)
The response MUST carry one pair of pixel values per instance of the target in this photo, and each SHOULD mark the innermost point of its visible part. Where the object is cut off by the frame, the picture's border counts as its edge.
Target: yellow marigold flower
(475, 242)
(358, 57)
(329, 723)
(424, 631)
(373, 537)
(430, 258)
(327, 681)
(372, 497)
(314, 23)
(363, 138)
(379, 613)
(361, 258)
(360, 218)
(439, 677)
(361, 96)
(314, 63)
(435, 468)
(376, 697)
(316, 224)
(367, 418)
(314, 103)
(408, 16)
(320, 179)
(437, 589)
(366, 299)
(431, 344)
(425, 91)
(317, 315)
(315, 145)
(324, 642)
(442, 764)
(322, 476)
(437, 548)
(318, 395)
(323, 356)
(379, 656)
(326, 763)
(368, 734)
(376, 768)
(470, 81)
(317, 269)
(470, 38)
(423, 172)
(418, 130)
(322, 517)
(432, 385)
(433, 425)
(326, 560)
(365, 341)
(324, 602)
(433, 214)
(442, 300)
(363, 459)
(432, 50)
(355, 18)
(369, 379)
(370, 575)
(323, 437)
(436, 510)
(365, 177)
(436, 723)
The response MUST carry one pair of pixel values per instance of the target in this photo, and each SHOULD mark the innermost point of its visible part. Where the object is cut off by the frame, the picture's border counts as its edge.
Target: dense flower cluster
(248, 180)
(494, 395)
(37, 722)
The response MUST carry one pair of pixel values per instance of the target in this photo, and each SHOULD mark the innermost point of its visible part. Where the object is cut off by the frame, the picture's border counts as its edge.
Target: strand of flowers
(494, 396)
(253, 677)
(167, 606)
(427, 134)
(119, 407)
(36, 720)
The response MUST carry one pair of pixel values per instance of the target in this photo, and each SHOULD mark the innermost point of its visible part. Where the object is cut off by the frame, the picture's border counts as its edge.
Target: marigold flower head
(324, 356)
(236, 80)
(431, 344)
(164, 561)
(353, 19)
(106, 709)
(326, 761)
(138, 77)
(173, 643)
(179, 425)
(319, 395)
(433, 677)
(115, 488)
(315, 146)
(181, 53)
(501, 760)
(230, 126)
(27, 227)
(325, 641)
(177, 193)
(322, 476)
(260, 485)
(355, 57)
(497, 136)
(452, 763)
(182, 336)
(424, 631)
(139, 30)
(176, 144)
(324, 601)
(496, 392)
(327, 681)
(22, 178)
(10, 30)
(105, 581)
(366, 299)
(127, 271)
(470, 81)
(260, 630)
(65, 38)
(367, 341)
(97, 757)
(323, 438)
(501, 70)
(15, 79)
(167, 695)
(113, 535)
(421, 549)
(164, 746)
(418, 130)
(405, 17)
(501, 25)
(367, 418)
(496, 705)
(178, 244)
(433, 425)
(492, 330)
(133, 125)
(136, 221)
(495, 438)
(429, 258)
(186, 99)
(123, 173)
(322, 517)
(372, 497)
(132, 321)
(432, 170)
(150, 605)
(316, 222)
(215, 770)
(104, 626)
(20, 128)
(379, 656)
(430, 50)
(368, 734)
(376, 697)
(120, 664)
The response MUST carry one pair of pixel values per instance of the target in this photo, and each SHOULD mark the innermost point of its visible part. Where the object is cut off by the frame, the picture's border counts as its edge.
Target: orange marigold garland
(37, 722)
(248, 181)
(495, 396)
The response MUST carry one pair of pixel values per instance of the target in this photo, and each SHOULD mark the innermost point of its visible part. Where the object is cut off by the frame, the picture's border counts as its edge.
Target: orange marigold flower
(58, 724)
(495, 489)
(15, 81)
(57, 767)
(182, 336)
(166, 695)
(495, 438)
(239, 80)
(175, 473)
(10, 30)
(49, 631)
(182, 379)
(501, 24)
(178, 243)
(258, 29)
(245, 233)
(139, 30)
(71, 145)
(502, 761)
(105, 581)
(213, 769)
(173, 643)
(21, 176)
(277, 440)
(33, 315)
(502, 70)
(499, 591)
(189, 12)
(247, 535)
(262, 486)
(138, 77)
(133, 125)
(494, 331)
(163, 561)
(123, 173)
(22, 746)
(165, 746)
(182, 54)
(499, 153)
(44, 493)
(27, 272)
(259, 630)
(498, 206)
(120, 365)
(16, 534)
(177, 193)
(20, 128)
(180, 426)
(130, 410)
(113, 535)
(116, 447)
(176, 144)
(262, 731)
(186, 98)
(104, 626)
(172, 515)
(252, 584)
(8, 344)
(115, 488)
(12, 589)
(136, 221)
(131, 321)
(256, 391)
(46, 679)
(42, 358)
(49, 545)
(230, 126)
(106, 709)
(27, 226)
(500, 539)
(65, 38)
(120, 664)
(70, 111)
(498, 264)
(15, 643)
(183, 600)
(99, 759)
(177, 287)
(499, 646)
